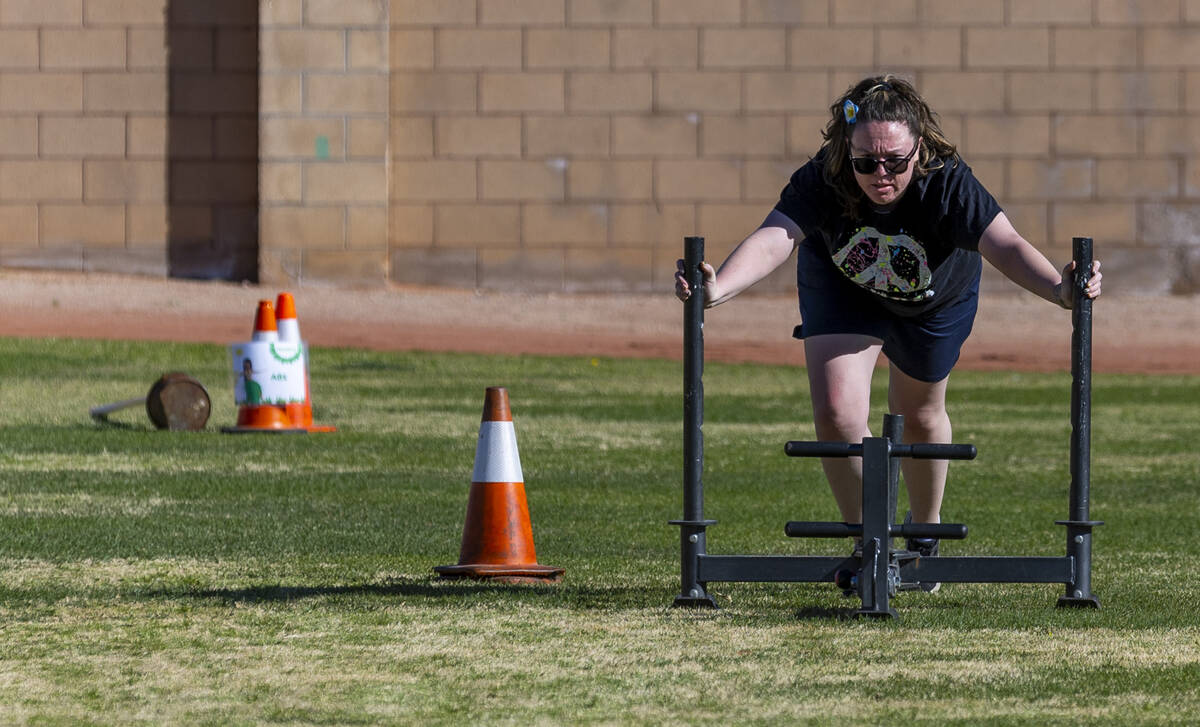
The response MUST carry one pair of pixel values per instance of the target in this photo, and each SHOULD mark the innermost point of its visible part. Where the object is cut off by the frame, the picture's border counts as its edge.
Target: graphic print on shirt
(894, 266)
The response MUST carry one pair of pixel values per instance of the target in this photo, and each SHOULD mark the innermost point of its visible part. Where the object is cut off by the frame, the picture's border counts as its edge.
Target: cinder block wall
(212, 136)
(570, 144)
(83, 105)
(561, 144)
(324, 141)
(128, 136)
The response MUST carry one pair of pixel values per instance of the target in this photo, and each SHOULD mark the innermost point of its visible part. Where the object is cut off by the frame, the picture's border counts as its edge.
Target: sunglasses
(891, 165)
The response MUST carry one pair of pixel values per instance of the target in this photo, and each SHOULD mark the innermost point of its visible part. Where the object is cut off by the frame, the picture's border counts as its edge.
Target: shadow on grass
(102, 423)
(573, 596)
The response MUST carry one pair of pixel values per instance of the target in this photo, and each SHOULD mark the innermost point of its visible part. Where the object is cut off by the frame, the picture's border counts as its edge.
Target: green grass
(154, 577)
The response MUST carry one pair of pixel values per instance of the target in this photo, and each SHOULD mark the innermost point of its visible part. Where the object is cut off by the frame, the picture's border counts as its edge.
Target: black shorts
(925, 346)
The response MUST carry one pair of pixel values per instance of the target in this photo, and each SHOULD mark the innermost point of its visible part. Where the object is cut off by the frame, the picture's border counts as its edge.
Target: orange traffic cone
(497, 541)
(285, 318)
(300, 412)
(265, 328)
(253, 415)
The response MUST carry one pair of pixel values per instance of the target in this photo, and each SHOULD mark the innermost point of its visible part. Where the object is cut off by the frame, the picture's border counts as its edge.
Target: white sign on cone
(268, 372)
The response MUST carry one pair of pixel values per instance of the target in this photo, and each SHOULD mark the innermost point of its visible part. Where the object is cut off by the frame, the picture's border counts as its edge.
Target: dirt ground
(1014, 331)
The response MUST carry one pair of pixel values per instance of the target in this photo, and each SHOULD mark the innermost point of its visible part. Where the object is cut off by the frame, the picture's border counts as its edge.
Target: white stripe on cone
(496, 458)
(289, 329)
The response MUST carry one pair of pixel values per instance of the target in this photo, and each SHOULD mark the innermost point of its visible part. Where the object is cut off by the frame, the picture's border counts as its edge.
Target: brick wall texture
(569, 145)
(83, 93)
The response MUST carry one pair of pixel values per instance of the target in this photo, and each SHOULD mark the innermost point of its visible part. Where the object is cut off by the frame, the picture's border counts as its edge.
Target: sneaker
(925, 548)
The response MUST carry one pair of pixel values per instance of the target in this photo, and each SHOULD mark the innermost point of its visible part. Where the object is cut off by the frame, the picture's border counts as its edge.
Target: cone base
(532, 573)
(260, 430)
(273, 419)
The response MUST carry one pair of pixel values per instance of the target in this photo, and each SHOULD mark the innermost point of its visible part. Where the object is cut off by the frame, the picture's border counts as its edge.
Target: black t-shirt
(916, 257)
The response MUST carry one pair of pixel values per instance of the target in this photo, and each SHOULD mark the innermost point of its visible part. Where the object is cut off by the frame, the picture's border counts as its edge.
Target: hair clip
(850, 111)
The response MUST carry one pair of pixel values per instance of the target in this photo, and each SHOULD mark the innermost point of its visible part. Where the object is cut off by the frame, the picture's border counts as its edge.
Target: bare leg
(839, 376)
(923, 406)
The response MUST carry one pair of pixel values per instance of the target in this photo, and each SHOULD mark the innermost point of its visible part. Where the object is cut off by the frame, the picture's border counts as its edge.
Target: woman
(889, 226)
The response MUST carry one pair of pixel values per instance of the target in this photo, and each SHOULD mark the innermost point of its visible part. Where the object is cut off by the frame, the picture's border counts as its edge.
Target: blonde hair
(881, 98)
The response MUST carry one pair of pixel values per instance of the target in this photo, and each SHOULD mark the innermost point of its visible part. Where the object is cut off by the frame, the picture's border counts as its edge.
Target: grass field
(153, 577)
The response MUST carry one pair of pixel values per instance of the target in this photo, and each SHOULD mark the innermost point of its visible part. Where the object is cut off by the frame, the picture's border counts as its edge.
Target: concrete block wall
(324, 134)
(561, 144)
(571, 144)
(212, 138)
(83, 128)
(128, 136)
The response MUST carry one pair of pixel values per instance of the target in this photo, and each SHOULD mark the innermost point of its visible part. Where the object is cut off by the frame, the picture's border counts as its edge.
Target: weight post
(1079, 525)
(692, 591)
(875, 587)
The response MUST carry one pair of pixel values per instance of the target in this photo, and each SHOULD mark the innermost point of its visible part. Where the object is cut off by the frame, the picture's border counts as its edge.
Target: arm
(757, 256)
(1023, 264)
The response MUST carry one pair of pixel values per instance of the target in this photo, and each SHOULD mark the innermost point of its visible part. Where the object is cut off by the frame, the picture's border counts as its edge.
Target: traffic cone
(497, 541)
(263, 417)
(300, 412)
(285, 318)
(265, 328)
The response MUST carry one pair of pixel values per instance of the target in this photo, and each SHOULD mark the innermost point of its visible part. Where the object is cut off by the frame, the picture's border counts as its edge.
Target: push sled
(878, 572)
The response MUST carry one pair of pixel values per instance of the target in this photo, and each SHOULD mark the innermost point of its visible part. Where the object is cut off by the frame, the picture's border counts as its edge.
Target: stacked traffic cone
(276, 350)
(289, 330)
(265, 326)
(255, 415)
(286, 322)
(497, 541)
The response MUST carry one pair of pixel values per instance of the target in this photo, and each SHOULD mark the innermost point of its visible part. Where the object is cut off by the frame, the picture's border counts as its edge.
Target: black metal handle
(805, 529)
(692, 524)
(693, 255)
(693, 382)
(1079, 524)
(913, 451)
(1081, 381)
(941, 531)
(822, 449)
(935, 451)
(808, 529)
